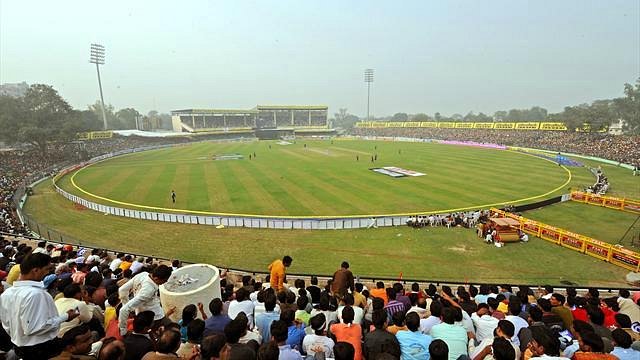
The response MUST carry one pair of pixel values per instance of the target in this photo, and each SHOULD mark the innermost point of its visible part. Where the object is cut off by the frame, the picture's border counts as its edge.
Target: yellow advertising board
(483, 125)
(504, 126)
(553, 126)
(528, 126)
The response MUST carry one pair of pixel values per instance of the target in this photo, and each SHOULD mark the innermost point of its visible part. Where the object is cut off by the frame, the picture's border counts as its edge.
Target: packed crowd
(620, 148)
(467, 219)
(62, 302)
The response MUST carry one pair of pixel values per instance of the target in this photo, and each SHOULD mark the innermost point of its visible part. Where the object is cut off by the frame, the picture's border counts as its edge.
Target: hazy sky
(446, 56)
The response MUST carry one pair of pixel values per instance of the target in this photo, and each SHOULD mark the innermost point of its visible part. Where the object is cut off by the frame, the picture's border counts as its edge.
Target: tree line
(597, 114)
(42, 116)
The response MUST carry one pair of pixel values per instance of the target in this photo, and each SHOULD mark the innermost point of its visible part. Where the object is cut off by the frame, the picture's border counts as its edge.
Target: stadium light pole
(368, 78)
(97, 57)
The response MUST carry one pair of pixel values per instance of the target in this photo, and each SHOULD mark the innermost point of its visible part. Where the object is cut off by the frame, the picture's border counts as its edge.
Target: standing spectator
(145, 288)
(277, 270)
(349, 332)
(343, 280)
(414, 345)
(29, 314)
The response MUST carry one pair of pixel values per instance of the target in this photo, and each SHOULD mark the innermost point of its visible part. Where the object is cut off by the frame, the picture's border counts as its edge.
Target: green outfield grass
(432, 253)
(321, 178)
(597, 222)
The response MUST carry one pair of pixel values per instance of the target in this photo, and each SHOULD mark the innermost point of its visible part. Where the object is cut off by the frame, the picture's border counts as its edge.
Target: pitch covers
(396, 172)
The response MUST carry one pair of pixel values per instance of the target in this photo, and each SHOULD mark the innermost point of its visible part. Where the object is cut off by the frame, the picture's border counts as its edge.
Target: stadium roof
(249, 111)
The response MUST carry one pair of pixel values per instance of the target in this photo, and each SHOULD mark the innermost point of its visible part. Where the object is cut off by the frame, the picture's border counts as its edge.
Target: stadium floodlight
(368, 78)
(97, 57)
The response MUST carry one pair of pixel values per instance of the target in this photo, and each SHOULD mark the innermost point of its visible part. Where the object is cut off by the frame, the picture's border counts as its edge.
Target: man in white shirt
(137, 265)
(29, 314)
(145, 288)
(242, 304)
(517, 321)
(484, 322)
(504, 330)
(72, 300)
(116, 262)
(627, 306)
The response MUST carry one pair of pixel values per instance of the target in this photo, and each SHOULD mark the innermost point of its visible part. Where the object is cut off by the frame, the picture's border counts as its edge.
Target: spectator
(242, 304)
(348, 332)
(138, 342)
(628, 306)
(296, 330)
(212, 346)
(413, 343)
(438, 350)
(145, 288)
(278, 269)
(318, 342)
(591, 347)
(505, 331)
(216, 323)
(264, 320)
(544, 344)
(380, 341)
(195, 330)
(622, 346)
(168, 344)
(484, 323)
(72, 300)
(314, 290)
(455, 336)
(348, 300)
(76, 344)
(434, 319)
(279, 333)
(29, 314)
(344, 351)
(343, 280)
(380, 292)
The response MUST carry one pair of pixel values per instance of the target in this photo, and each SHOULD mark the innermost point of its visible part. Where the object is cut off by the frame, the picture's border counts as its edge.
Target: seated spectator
(279, 334)
(455, 336)
(318, 342)
(397, 323)
(301, 314)
(76, 344)
(216, 323)
(138, 342)
(438, 350)
(324, 307)
(502, 349)
(72, 300)
(195, 330)
(248, 335)
(591, 347)
(380, 341)
(189, 313)
(344, 351)
(413, 344)
(505, 330)
(264, 320)
(242, 303)
(212, 346)
(434, 319)
(544, 344)
(111, 349)
(296, 332)
(347, 331)
(348, 300)
(379, 292)
(622, 346)
(168, 345)
(484, 323)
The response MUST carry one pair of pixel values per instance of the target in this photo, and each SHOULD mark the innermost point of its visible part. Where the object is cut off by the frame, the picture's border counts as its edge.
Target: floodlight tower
(97, 57)
(368, 78)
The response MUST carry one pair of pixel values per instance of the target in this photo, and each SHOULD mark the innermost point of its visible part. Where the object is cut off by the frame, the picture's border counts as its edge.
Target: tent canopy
(505, 222)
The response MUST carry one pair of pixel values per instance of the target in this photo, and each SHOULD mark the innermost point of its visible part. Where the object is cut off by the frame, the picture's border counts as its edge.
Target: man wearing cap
(29, 314)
